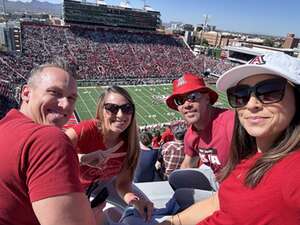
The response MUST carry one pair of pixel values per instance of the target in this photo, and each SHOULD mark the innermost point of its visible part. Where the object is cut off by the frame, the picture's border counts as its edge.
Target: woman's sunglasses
(267, 92)
(192, 97)
(114, 108)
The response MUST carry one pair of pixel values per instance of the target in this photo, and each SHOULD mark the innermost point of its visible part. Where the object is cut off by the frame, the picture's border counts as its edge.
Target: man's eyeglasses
(192, 97)
(267, 92)
(114, 108)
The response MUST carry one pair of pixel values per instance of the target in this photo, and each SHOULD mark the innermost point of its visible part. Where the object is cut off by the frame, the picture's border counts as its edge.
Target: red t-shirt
(167, 135)
(155, 142)
(211, 144)
(36, 162)
(90, 139)
(274, 201)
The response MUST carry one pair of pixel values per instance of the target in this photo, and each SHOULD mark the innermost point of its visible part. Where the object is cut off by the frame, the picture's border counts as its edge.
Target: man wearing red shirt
(38, 165)
(167, 136)
(207, 140)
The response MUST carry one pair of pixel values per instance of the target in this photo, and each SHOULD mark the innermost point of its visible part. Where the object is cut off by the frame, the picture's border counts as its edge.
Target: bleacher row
(105, 54)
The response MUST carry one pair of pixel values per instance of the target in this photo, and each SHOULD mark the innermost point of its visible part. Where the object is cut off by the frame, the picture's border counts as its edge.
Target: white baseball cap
(278, 63)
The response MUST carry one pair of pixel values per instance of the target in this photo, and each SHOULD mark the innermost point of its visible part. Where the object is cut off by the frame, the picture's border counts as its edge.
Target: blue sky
(275, 17)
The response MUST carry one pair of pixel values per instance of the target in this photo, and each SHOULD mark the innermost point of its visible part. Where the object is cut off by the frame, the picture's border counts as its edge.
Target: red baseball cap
(189, 83)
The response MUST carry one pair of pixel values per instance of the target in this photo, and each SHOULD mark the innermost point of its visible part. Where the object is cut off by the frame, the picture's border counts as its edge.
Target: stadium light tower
(147, 7)
(145, 3)
(204, 27)
(3, 7)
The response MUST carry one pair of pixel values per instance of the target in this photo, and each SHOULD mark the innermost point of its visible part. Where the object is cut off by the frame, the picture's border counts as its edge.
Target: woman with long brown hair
(260, 183)
(108, 148)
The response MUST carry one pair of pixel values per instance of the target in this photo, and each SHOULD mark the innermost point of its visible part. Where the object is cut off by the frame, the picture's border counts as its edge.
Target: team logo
(181, 81)
(258, 60)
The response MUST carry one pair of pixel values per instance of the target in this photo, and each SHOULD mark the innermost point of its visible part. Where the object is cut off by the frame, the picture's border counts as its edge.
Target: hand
(145, 208)
(158, 165)
(98, 158)
(99, 215)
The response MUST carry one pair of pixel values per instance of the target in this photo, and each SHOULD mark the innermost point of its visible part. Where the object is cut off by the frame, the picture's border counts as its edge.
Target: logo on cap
(181, 81)
(258, 60)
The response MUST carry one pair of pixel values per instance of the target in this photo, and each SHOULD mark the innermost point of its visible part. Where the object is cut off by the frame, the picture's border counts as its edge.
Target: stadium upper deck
(108, 15)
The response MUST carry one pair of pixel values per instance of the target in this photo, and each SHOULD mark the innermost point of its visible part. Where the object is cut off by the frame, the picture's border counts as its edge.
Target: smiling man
(38, 164)
(208, 138)
(210, 128)
(49, 96)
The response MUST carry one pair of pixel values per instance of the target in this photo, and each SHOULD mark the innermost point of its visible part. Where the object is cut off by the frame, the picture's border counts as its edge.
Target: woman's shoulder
(288, 164)
(90, 125)
(292, 158)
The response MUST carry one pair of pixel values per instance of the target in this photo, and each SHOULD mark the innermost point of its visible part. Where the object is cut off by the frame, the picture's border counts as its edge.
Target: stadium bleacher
(105, 55)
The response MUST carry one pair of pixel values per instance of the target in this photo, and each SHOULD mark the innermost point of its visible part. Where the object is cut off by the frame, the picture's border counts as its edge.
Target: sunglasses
(127, 108)
(267, 92)
(192, 97)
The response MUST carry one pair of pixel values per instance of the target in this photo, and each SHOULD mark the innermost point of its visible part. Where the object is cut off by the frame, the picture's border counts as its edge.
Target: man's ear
(25, 93)
(207, 98)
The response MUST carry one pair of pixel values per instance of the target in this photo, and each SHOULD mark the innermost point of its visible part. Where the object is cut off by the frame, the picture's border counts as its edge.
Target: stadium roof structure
(243, 54)
(101, 2)
(253, 51)
(125, 4)
(148, 8)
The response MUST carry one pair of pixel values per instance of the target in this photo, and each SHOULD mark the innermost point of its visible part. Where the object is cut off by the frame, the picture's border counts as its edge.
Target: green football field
(149, 100)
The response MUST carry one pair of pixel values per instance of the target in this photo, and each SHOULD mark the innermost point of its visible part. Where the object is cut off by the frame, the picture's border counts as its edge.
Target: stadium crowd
(137, 58)
(133, 55)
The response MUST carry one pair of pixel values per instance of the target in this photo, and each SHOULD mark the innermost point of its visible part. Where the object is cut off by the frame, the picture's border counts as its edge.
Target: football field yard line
(141, 105)
(171, 114)
(133, 96)
(150, 98)
(98, 92)
(132, 91)
(163, 108)
(138, 115)
(82, 99)
(92, 98)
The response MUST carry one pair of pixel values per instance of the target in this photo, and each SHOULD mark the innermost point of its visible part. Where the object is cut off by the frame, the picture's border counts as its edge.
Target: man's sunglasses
(267, 92)
(192, 97)
(114, 108)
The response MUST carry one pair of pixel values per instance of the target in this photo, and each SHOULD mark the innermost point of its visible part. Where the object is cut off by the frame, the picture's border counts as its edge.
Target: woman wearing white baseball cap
(260, 183)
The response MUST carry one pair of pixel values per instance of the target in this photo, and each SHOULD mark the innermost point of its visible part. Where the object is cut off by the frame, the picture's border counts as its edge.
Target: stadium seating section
(104, 54)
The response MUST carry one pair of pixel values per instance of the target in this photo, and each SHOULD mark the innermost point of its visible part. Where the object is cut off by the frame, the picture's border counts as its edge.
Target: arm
(195, 213)
(52, 176)
(189, 162)
(74, 139)
(72, 135)
(124, 188)
(171, 161)
(96, 158)
(68, 209)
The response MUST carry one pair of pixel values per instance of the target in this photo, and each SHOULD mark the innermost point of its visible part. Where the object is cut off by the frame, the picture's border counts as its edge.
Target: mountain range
(34, 6)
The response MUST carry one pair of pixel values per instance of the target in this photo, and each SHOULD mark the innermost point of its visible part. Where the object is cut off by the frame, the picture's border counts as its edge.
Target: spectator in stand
(156, 139)
(207, 140)
(172, 153)
(166, 136)
(115, 127)
(38, 165)
(263, 165)
(145, 170)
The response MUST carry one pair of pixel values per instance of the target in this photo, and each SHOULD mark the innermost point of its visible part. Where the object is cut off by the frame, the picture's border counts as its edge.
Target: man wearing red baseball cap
(208, 137)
